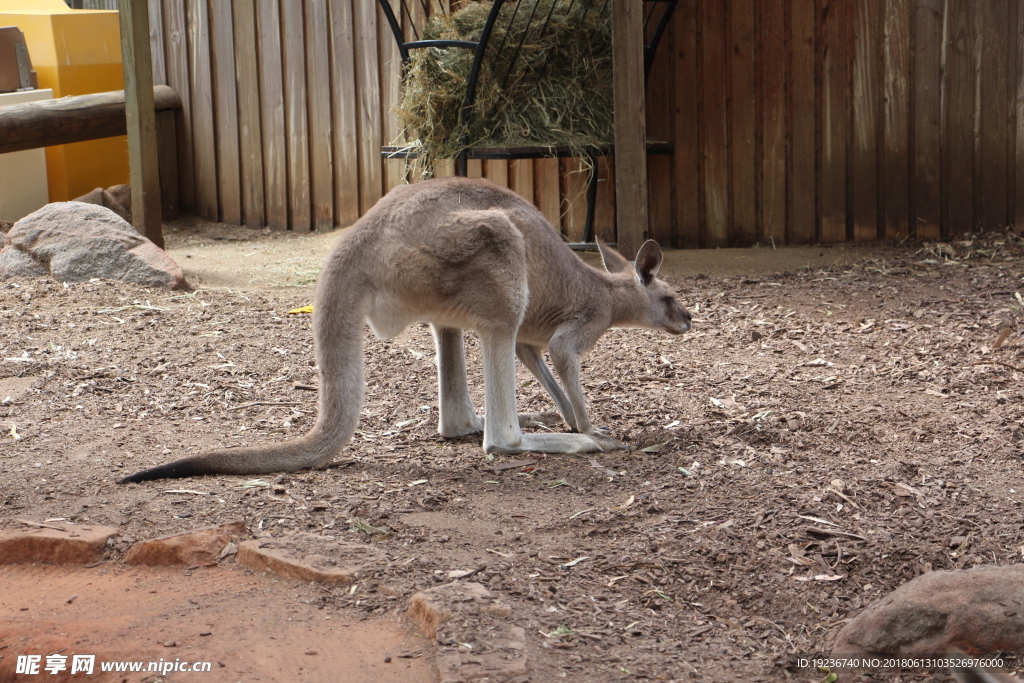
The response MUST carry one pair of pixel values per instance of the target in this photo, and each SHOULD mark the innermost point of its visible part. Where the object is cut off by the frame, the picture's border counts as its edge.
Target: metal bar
(396, 29)
(652, 48)
(412, 22)
(469, 45)
(519, 47)
(474, 74)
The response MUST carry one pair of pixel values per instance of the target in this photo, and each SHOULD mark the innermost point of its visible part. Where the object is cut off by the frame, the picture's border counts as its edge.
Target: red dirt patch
(259, 628)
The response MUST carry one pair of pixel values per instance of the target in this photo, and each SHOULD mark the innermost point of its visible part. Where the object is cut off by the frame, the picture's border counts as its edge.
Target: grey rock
(76, 241)
(978, 611)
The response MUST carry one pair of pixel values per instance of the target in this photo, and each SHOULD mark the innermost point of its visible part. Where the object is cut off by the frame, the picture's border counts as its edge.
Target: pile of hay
(558, 92)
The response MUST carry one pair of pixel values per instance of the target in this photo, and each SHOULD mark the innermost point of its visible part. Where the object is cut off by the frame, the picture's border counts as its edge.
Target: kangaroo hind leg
(455, 407)
(501, 426)
(530, 356)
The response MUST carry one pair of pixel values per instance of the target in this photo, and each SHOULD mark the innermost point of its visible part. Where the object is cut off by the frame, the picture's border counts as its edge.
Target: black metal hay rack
(413, 12)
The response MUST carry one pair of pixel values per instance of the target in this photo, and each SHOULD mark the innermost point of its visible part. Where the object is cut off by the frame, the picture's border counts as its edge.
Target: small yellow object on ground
(300, 310)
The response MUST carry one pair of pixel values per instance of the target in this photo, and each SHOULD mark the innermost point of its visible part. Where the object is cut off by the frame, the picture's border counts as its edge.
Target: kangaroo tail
(338, 333)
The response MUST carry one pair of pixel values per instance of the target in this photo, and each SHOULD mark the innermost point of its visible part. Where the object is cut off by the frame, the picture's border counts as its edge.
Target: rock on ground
(199, 547)
(75, 242)
(69, 544)
(490, 646)
(308, 557)
(978, 611)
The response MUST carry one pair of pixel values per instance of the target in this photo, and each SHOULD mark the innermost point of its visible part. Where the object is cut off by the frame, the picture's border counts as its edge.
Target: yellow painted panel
(33, 7)
(75, 52)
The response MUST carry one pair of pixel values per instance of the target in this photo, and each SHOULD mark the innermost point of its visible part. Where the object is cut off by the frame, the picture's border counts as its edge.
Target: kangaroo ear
(614, 262)
(648, 261)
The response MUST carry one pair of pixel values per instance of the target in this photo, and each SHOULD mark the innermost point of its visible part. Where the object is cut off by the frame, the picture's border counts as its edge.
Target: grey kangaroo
(461, 254)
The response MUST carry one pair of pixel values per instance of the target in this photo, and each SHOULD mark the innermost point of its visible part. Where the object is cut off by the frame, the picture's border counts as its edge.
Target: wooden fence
(793, 121)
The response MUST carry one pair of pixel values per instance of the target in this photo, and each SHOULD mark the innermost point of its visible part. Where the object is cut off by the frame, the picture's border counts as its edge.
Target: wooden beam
(71, 119)
(140, 116)
(630, 125)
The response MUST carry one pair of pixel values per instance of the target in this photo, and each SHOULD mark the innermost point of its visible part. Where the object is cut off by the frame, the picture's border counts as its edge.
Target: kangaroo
(461, 254)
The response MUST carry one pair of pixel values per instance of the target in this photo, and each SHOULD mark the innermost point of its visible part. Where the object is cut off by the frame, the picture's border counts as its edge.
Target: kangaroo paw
(607, 443)
(453, 428)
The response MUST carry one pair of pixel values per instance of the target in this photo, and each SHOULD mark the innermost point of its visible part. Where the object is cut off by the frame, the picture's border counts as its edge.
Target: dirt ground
(839, 421)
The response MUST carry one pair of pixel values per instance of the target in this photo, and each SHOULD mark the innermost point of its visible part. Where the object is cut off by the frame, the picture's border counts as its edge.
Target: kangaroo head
(656, 307)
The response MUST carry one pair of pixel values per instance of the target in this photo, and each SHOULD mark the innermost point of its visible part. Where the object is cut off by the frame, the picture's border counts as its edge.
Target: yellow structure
(75, 52)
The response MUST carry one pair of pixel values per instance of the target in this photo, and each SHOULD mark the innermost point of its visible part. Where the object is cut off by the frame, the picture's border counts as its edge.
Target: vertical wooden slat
(203, 137)
(272, 114)
(344, 113)
(250, 136)
(475, 168)
(896, 20)
(631, 197)
(295, 114)
(176, 55)
(574, 198)
(802, 192)
(1014, 39)
(156, 42)
(834, 117)
(520, 178)
(390, 96)
(771, 61)
(226, 111)
(368, 98)
(715, 135)
(992, 187)
(1019, 142)
(140, 117)
(958, 118)
(864, 185)
(604, 206)
(660, 99)
(927, 117)
(167, 151)
(319, 85)
(496, 170)
(686, 158)
(546, 190)
(742, 105)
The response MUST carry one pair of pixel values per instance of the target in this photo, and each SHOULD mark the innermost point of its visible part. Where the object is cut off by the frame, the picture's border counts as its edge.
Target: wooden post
(137, 63)
(630, 125)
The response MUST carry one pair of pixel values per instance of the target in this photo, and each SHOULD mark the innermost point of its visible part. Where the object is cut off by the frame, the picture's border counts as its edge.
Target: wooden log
(140, 119)
(71, 119)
